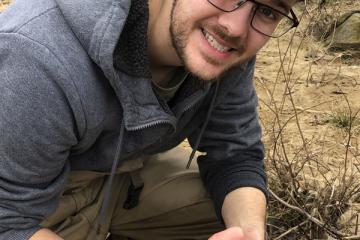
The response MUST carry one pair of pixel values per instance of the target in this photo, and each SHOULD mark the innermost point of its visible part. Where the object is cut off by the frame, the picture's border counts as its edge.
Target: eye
(268, 13)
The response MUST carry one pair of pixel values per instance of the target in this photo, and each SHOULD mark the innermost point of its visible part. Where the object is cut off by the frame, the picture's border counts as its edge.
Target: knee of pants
(167, 186)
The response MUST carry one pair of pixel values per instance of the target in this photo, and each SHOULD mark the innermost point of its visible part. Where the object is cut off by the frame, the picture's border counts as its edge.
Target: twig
(290, 230)
(352, 238)
(313, 111)
(311, 218)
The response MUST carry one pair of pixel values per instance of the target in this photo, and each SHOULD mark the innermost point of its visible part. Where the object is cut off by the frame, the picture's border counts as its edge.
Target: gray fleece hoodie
(71, 73)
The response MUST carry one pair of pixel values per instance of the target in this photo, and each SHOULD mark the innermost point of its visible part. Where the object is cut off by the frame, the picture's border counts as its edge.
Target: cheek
(256, 41)
(194, 13)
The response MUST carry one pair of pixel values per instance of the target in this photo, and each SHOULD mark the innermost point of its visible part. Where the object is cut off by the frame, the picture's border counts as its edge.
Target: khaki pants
(172, 206)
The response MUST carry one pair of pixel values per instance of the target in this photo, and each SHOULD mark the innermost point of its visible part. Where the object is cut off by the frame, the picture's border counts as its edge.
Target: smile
(215, 44)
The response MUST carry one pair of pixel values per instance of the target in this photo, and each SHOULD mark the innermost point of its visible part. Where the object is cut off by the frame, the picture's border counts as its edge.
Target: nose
(238, 22)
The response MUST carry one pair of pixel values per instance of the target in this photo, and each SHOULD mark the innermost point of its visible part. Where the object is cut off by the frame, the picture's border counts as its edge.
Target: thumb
(233, 233)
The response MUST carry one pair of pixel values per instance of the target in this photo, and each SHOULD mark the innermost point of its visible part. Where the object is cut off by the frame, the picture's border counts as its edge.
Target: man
(94, 92)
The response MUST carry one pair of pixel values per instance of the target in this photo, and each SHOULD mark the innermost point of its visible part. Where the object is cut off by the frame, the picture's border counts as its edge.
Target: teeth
(215, 44)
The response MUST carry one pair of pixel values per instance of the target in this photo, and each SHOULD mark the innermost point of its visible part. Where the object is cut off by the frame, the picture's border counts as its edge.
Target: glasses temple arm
(296, 20)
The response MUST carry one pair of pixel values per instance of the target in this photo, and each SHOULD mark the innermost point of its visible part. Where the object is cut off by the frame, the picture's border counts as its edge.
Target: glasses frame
(293, 17)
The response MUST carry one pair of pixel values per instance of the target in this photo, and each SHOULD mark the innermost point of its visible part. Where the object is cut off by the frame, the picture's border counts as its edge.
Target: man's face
(208, 41)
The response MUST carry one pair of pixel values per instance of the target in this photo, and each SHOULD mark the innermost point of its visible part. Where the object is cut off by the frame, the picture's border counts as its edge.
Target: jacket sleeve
(37, 130)
(232, 140)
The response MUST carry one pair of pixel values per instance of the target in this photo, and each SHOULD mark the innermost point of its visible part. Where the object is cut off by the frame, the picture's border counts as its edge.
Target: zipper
(184, 106)
(190, 102)
(193, 103)
(152, 124)
(178, 110)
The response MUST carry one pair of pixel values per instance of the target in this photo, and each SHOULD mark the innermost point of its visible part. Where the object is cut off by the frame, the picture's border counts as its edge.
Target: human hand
(45, 234)
(237, 233)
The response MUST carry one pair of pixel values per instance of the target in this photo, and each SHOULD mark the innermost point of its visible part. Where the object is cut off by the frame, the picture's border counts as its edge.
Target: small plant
(342, 119)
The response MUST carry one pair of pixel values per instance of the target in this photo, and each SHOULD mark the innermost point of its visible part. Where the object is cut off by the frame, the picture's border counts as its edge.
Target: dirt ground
(306, 97)
(319, 86)
(3, 4)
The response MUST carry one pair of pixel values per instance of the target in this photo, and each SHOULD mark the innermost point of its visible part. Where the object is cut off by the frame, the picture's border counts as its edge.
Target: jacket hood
(114, 33)
(97, 25)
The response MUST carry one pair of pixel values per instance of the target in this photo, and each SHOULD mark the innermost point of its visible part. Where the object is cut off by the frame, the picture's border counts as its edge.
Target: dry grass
(309, 109)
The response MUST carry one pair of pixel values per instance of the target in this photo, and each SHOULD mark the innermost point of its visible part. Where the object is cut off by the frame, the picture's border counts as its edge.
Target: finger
(233, 233)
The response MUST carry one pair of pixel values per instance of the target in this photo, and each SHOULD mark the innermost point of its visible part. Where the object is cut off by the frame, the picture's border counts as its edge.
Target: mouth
(215, 44)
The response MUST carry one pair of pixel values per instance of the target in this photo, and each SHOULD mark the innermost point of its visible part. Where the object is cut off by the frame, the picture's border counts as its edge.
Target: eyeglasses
(265, 19)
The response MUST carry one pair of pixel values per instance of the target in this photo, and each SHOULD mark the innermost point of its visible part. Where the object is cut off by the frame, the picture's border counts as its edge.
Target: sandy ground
(3, 4)
(316, 84)
(304, 107)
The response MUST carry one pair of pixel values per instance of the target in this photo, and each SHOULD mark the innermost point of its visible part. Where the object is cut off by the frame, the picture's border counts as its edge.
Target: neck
(163, 57)
(162, 76)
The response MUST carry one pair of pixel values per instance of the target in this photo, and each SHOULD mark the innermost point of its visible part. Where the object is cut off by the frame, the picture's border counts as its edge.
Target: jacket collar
(113, 32)
(130, 55)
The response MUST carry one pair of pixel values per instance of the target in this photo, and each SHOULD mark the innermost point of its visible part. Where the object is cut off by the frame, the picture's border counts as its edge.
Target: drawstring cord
(106, 201)
(212, 104)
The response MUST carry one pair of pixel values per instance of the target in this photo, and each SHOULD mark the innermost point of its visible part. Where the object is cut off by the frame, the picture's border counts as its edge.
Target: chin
(208, 71)
(206, 75)
(206, 67)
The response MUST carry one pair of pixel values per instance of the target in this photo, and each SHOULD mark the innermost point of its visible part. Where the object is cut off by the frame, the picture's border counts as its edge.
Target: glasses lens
(266, 20)
(226, 5)
(271, 22)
